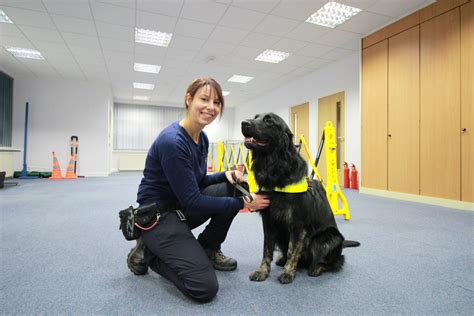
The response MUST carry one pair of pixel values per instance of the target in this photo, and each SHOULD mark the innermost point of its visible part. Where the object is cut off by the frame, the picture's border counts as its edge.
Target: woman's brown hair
(202, 82)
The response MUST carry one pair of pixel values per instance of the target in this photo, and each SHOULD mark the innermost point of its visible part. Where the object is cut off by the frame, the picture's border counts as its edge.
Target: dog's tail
(350, 243)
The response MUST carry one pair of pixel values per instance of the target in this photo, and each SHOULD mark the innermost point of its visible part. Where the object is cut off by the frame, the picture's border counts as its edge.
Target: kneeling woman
(175, 178)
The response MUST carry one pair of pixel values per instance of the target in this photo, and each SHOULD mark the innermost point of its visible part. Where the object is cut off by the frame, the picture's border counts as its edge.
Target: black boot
(136, 258)
(220, 261)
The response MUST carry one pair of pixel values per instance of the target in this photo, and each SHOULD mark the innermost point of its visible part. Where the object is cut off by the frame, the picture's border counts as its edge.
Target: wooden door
(331, 108)
(467, 102)
(404, 112)
(374, 116)
(299, 124)
(440, 159)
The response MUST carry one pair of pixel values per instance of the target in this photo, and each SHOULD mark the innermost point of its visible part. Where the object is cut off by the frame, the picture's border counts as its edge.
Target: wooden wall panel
(404, 112)
(467, 102)
(374, 116)
(440, 107)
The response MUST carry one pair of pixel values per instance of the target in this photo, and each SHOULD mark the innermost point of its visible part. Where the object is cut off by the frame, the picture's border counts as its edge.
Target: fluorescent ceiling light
(240, 79)
(141, 97)
(332, 14)
(147, 68)
(224, 93)
(152, 37)
(4, 17)
(25, 53)
(272, 56)
(146, 86)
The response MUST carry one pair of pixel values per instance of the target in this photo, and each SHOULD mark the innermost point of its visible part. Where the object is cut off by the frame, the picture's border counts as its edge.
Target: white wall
(342, 75)
(57, 111)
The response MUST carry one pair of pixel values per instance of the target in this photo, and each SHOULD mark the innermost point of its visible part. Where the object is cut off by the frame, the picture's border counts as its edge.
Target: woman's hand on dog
(260, 201)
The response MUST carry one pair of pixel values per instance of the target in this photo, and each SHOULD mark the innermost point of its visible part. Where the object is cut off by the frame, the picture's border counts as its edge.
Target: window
(137, 126)
(6, 101)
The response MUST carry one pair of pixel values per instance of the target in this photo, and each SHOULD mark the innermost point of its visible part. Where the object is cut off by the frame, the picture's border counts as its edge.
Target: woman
(175, 179)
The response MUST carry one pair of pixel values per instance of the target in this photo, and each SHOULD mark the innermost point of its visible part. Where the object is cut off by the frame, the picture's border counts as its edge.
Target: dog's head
(266, 132)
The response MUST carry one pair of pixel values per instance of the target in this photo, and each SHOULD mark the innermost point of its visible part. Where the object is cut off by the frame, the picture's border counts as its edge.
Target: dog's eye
(268, 121)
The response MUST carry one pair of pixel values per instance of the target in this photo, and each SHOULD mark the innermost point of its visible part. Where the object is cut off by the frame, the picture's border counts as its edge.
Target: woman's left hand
(239, 176)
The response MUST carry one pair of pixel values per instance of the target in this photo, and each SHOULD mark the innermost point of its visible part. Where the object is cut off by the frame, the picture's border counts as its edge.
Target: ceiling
(93, 40)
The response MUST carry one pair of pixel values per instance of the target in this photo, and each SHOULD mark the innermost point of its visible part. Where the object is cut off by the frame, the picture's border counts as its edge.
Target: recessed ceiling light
(332, 14)
(146, 86)
(141, 98)
(272, 56)
(224, 93)
(4, 17)
(25, 53)
(147, 68)
(240, 79)
(152, 37)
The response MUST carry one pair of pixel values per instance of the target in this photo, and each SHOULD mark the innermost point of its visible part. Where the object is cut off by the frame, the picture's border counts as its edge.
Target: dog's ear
(288, 138)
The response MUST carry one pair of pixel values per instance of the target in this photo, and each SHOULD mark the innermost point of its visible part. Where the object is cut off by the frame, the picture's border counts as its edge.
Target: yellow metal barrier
(220, 157)
(308, 153)
(333, 190)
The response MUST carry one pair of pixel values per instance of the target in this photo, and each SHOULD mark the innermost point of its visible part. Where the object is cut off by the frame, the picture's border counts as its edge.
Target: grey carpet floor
(62, 253)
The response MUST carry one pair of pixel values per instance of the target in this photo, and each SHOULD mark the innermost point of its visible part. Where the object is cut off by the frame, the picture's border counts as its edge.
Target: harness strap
(297, 187)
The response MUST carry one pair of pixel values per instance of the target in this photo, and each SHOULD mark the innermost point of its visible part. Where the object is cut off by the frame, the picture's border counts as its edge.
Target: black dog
(302, 225)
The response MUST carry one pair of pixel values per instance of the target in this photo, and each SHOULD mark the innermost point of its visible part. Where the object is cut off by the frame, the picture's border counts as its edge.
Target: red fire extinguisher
(354, 180)
(346, 175)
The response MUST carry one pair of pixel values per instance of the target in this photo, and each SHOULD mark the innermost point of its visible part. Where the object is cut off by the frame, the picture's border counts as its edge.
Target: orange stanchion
(56, 173)
(70, 169)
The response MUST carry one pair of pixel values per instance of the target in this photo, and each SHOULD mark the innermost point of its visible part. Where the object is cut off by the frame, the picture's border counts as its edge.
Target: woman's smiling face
(205, 106)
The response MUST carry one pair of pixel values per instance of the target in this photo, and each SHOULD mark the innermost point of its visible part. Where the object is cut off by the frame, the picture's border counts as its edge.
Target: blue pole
(24, 172)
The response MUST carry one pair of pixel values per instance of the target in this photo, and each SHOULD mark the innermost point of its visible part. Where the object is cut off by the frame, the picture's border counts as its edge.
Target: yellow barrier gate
(333, 190)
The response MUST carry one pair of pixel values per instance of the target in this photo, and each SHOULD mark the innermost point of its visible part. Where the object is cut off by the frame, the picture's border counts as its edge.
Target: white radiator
(132, 161)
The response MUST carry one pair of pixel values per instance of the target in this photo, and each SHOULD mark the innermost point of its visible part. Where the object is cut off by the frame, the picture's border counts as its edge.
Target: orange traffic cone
(56, 174)
(70, 169)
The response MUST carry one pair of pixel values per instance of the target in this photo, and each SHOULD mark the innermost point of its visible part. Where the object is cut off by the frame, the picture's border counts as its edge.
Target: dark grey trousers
(173, 252)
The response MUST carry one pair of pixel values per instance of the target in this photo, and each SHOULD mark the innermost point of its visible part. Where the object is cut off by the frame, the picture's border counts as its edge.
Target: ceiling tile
(246, 52)
(73, 39)
(113, 14)
(276, 25)
(361, 4)
(12, 30)
(193, 28)
(241, 18)
(297, 10)
(124, 33)
(76, 8)
(228, 35)
(51, 47)
(16, 42)
(185, 42)
(117, 45)
(364, 22)
(156, 22)
(121, 3)
(337, 37)
(30, 5)
(74, 25)
(113, 55)
(298, 60)
(203, 10)
(34, 33)
(336, 53)
(260, 40)
(289, 45)
(151, 50)
(28, 17)
(165, 7)
(317, 63)
(183, 54)
(264, 6)
(315, 50)
(395, 8)
(307, 32)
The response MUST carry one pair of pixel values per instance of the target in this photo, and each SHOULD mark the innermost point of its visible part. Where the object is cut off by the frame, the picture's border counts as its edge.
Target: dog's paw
(281, 261)
(258, 275)
(286, 277)
(317, 271)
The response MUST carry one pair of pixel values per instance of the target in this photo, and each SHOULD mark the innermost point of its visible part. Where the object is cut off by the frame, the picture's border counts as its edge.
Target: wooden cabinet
(440, 143)
(404, 112)
(417, 99)
(374, 116)
(467, 102)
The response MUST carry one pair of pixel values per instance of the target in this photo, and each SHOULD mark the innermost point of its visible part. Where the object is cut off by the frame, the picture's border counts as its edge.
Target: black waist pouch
(134, 220)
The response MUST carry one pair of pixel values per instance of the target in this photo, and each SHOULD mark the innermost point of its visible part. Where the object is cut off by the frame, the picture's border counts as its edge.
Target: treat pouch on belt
(134, 220)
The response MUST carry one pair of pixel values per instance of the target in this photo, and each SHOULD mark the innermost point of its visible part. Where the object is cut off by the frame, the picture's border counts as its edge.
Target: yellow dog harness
(297, 187)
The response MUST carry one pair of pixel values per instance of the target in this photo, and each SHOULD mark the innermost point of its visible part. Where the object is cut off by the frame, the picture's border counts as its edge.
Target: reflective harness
(297, 187)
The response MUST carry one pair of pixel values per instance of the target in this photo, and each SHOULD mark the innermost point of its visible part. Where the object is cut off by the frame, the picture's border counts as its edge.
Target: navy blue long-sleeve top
(176, 171)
